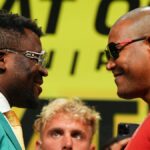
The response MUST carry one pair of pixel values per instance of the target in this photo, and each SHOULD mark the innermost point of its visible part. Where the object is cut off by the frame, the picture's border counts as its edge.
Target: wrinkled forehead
(70, 117)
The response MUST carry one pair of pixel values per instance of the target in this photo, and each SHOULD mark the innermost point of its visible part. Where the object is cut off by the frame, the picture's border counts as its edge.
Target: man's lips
(38, 88)
(38, 84)
(118, 73)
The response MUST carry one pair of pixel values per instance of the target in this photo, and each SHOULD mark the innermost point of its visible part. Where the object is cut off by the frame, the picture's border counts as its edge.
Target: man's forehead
(122, 30)
(65, 118)
(69, 126)
(30, 34)
(30, 41)
(66, 122)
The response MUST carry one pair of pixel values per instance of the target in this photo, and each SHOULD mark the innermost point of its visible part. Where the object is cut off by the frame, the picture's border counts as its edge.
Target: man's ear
(92, 147)
(2, 65)
(148, 41)
(38, 145)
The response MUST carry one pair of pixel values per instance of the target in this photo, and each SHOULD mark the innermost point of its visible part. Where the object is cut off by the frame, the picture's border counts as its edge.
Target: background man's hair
(74, 107)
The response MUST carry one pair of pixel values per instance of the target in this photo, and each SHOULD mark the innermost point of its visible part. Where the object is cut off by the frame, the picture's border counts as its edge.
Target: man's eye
(35, 59)
(31, 56)
(56, 134)
(77, 135)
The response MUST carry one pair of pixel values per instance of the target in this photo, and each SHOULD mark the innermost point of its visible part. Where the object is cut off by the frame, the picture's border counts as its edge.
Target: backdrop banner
(76, 33)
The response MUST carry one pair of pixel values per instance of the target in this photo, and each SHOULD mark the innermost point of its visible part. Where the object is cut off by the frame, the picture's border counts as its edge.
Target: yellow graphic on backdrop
(75, 38)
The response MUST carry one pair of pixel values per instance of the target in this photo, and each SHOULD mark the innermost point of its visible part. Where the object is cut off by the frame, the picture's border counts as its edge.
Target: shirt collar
(4, 105)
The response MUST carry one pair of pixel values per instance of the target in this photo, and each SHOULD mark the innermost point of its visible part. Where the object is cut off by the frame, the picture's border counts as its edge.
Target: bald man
(128, 54)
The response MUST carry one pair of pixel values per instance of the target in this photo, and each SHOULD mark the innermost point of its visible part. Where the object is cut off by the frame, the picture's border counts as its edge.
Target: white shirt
(4, 105)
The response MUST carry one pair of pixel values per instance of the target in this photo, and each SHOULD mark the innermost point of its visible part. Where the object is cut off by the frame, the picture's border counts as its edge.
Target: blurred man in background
(66, 124)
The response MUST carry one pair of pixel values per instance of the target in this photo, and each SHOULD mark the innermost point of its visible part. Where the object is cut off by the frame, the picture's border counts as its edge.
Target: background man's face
(65, 133)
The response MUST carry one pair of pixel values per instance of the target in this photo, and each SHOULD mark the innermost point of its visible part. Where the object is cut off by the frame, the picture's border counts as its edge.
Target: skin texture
(63, 132)
(131, 70)
(21, 77)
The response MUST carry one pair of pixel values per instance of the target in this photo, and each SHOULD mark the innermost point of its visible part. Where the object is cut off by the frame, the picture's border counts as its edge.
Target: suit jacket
(8, 140)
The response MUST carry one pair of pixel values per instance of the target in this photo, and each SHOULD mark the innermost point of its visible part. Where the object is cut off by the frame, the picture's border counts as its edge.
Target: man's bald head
(137, 20)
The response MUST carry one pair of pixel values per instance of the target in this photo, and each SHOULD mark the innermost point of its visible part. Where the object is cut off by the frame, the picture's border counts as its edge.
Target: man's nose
(110, 64)
(68, 143)
(43, 71)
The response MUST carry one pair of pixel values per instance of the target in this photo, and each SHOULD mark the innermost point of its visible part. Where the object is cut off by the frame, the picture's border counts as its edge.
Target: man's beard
(22, 97)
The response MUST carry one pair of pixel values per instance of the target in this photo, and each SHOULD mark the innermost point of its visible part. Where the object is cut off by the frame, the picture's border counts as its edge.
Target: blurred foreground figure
(128, 54)
(66, 124)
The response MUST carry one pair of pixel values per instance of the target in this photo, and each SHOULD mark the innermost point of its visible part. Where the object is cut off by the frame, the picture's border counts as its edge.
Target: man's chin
(125, 95)
(32, 104)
